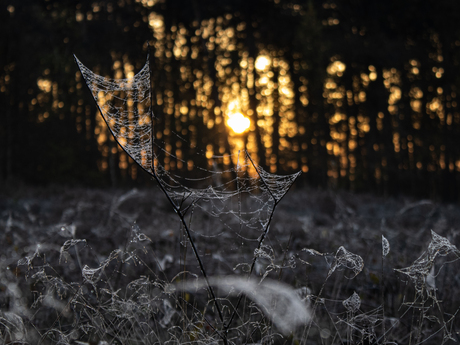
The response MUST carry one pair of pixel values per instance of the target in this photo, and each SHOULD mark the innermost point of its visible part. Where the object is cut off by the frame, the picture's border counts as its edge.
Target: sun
(238, 123)
(262, 63)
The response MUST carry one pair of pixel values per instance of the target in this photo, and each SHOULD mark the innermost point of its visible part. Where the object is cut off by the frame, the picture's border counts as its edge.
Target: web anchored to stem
(241, 198)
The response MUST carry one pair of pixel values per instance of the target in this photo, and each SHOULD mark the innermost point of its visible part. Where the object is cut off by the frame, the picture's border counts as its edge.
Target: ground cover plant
(222, 255)
(47, 295)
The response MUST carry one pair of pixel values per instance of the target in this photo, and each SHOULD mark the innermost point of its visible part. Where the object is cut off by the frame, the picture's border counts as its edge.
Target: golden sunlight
(262, 62)
(337, 67)
(238, 123)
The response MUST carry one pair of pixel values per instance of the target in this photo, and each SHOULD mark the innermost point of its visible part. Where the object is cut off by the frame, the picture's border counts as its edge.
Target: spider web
(126, 108)
(240, 198)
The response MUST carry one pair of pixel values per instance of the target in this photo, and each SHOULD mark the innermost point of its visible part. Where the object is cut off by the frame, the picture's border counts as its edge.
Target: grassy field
(84, 266)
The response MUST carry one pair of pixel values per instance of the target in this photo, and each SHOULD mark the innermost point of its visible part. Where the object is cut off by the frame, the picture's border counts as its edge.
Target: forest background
(359, 95)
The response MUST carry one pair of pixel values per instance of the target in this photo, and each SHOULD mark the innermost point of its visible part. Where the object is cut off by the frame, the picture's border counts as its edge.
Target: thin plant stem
(260, 242)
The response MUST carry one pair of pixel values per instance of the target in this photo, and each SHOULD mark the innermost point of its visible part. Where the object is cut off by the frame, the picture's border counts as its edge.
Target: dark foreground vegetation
(89, 266)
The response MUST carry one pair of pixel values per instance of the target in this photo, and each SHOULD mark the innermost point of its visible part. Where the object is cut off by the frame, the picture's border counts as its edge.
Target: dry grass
(111, 267)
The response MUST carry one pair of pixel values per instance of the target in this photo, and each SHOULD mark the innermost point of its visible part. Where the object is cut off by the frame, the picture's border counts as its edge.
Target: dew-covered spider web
(234, 201)
(125, 106)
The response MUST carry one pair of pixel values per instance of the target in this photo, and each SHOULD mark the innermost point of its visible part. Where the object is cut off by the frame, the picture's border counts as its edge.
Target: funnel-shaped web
(420, 272)
(237, 200)
(125, 105)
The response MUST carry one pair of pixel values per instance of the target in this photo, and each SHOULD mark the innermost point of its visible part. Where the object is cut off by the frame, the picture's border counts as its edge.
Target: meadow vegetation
(82, 266)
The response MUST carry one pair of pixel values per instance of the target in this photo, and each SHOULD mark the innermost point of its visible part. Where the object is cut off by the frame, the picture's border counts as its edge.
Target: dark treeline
(357, 94)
